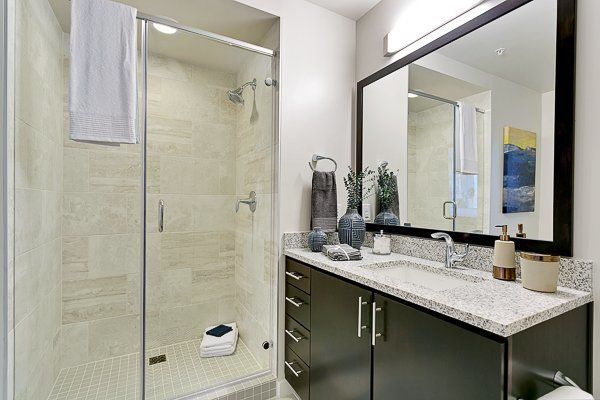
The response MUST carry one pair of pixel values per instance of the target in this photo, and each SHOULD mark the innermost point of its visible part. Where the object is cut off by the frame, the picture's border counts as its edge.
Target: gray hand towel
(324, 201)
(342, 252)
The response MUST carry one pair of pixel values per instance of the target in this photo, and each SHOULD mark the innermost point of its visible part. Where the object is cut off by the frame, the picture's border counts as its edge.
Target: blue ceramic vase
(351, 228)
(387, 217)
(316, 239)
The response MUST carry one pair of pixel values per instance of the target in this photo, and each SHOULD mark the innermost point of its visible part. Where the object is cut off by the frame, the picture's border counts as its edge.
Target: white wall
(587, 162)
(385, 123)
(317, 84)
(545, 185)
(370, 32)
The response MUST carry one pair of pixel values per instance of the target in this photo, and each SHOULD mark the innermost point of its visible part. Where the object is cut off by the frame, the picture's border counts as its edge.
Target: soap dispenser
(504, 257)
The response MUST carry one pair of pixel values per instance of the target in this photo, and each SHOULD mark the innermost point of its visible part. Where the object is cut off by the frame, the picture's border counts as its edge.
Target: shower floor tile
(184, 372)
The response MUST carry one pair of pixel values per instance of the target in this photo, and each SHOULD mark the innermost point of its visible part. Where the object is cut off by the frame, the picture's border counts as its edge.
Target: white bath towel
(103, 87)
(228, 339)
(225, 345)
(466, 162)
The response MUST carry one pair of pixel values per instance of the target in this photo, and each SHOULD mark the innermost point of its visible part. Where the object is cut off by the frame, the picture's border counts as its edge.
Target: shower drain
(157, 359)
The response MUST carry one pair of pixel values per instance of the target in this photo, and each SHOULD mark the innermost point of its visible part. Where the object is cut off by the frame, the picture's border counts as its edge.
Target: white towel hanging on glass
(466, 162)
(103, 81)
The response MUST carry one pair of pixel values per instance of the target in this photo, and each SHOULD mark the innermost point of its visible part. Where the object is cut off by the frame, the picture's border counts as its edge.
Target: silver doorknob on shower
(270, 82)
(250, 201)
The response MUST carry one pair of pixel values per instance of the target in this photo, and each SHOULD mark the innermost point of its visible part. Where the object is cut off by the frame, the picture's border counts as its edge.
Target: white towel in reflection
(467, 139)
(103, 86)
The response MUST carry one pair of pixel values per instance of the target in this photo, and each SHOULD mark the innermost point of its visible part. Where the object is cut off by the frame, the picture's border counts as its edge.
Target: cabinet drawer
(297, 374)
(297, 274)
(297, 338)
(297, 305)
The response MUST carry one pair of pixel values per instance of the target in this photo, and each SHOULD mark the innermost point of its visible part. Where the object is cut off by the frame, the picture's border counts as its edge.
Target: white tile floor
(184, 372)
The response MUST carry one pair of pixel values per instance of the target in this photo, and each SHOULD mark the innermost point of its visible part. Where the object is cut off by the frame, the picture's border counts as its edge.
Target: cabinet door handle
(294, 275)
(294, 337)
(360, 326)
(289, 365)
(294, 301)
(374, 334)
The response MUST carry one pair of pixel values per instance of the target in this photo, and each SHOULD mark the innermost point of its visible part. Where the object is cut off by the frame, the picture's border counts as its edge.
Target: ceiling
(353, 9)
(529, 37)
(225, 17)
(432, 82)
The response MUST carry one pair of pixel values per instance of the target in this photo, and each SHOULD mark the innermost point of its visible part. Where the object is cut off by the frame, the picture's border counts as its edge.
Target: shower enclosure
(122, 255)
(439, 197)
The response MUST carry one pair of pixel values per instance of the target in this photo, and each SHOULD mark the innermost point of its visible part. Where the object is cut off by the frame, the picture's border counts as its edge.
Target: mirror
(468, 130)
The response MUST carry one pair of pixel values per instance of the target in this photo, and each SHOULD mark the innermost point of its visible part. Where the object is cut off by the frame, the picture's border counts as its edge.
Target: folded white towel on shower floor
(103, 73)
(225, 345)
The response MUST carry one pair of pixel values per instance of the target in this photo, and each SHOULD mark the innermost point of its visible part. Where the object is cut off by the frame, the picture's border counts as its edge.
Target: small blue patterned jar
(316, 239)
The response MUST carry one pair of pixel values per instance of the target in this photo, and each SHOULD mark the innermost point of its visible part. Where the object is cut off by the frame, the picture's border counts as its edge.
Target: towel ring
(316, 158)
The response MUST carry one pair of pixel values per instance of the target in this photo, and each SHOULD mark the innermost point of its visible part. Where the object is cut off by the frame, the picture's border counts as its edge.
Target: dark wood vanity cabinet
(416, 354)
(423, 357)
(340, 346)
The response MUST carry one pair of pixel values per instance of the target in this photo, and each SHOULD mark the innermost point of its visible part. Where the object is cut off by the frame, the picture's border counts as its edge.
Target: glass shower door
(430, 163)
(209, 144)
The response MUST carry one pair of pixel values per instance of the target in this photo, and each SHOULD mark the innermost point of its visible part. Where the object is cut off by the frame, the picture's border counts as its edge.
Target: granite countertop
(502, 308)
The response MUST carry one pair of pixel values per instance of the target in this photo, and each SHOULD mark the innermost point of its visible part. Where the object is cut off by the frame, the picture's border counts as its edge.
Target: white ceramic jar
(539, 272)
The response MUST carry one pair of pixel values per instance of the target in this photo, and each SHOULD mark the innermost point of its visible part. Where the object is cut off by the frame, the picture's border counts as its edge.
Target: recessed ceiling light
(167, 30)
(412, 95)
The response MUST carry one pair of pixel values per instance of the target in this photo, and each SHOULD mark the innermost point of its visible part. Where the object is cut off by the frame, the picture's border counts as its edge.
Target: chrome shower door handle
(454, 209)
(161, 215)
(360, 326)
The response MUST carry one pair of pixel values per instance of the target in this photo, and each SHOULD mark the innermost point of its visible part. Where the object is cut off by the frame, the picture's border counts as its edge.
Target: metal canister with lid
(539, 272)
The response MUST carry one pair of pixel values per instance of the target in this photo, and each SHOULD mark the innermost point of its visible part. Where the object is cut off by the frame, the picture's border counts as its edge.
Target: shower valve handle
(250, 201)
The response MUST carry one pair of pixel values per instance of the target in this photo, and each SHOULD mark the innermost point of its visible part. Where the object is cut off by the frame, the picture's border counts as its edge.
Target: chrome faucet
(250, 201)
(452, 257)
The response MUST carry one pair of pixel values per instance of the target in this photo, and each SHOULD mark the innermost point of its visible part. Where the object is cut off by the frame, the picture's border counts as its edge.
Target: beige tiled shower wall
(430, 144)
(254, 247)
(190, 266)
(38, 196)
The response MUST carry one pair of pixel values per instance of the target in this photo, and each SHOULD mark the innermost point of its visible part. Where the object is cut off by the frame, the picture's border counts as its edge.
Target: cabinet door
(340, 360)
(419, 356)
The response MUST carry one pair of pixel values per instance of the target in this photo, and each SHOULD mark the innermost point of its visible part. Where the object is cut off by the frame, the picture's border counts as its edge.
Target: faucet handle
(466, 253)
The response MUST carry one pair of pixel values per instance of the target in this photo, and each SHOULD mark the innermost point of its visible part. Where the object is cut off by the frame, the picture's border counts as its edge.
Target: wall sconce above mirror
(476, 128)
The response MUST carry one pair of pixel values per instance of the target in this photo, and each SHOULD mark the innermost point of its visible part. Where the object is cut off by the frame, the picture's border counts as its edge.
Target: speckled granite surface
(574, 274)
(503, 308)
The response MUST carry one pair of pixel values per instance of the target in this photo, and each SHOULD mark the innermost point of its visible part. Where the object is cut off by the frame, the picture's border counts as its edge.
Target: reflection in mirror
(468, 130)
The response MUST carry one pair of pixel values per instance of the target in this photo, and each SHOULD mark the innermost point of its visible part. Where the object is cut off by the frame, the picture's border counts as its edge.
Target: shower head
(235, 95)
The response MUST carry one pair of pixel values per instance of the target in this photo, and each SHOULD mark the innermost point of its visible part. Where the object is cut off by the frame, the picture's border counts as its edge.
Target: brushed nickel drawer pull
(361, 327)
(294, 337)
(295, 275)
(291, 368)
(294, 302)
(374, 334)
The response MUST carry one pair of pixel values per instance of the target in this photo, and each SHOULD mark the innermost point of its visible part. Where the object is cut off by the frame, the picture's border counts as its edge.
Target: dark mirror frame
(562, 240)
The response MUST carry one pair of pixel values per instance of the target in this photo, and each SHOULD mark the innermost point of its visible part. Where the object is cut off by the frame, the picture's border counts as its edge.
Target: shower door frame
(145, 19)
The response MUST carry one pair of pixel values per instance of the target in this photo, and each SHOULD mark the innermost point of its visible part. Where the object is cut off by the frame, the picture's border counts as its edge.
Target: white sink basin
(429, 280)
